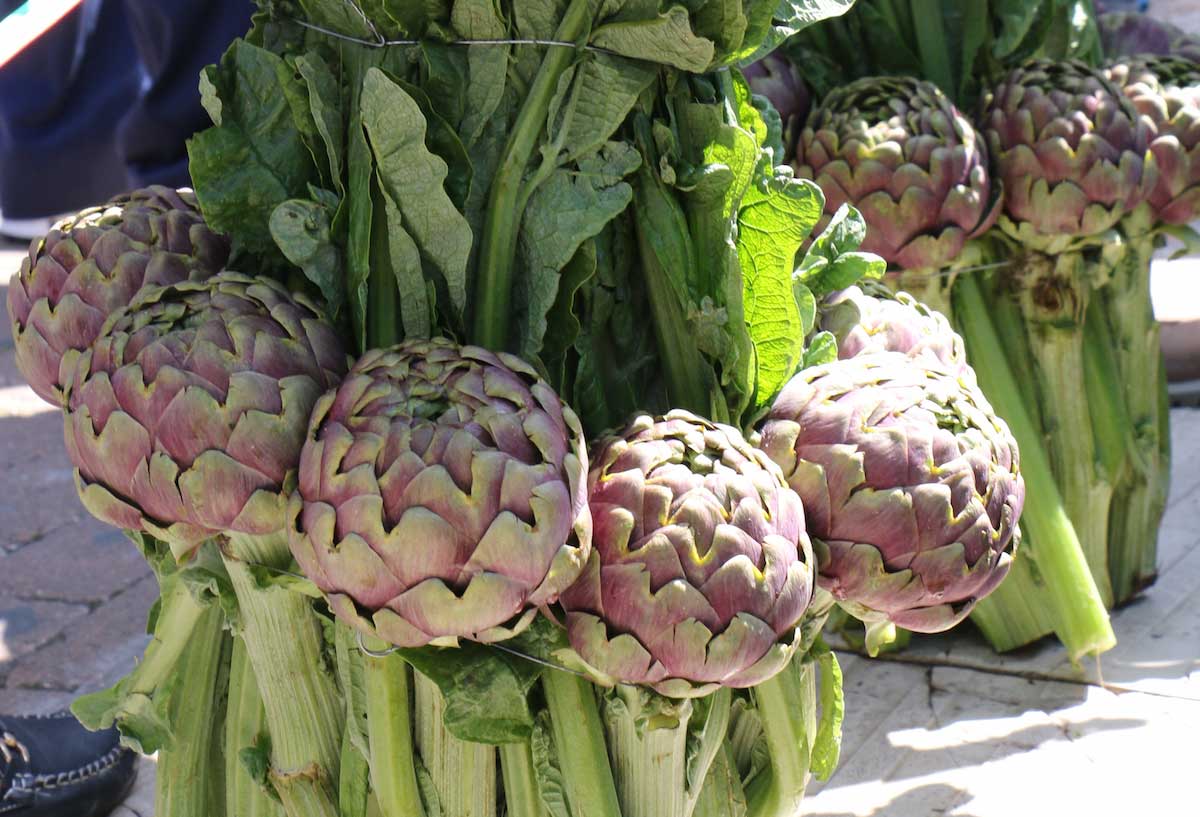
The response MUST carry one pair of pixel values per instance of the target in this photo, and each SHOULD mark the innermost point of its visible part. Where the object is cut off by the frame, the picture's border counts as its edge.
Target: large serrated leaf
(775, 218)
(414, 178)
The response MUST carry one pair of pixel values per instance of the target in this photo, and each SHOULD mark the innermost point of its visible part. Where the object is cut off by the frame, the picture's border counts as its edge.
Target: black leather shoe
(52, 767)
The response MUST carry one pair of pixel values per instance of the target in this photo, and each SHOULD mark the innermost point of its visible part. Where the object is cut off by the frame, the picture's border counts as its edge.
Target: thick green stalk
(1054, 292)
(463, 773)
(649, 761)
(388, 682)
(498, 244)
(787, 707)
(245, 728)
(354, 783)
(188, 783)
(931, 287)
(179, 616)
(521, 794)
(1073, 602)
(663, 239)
(1140, 500)
(579, 742)
(284, 640)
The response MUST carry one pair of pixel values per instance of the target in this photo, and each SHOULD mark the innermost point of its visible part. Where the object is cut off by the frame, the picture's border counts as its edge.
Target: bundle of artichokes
(449, 580)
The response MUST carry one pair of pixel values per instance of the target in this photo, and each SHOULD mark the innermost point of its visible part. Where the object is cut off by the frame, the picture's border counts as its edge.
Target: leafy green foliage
(399, 181)
(962, 47)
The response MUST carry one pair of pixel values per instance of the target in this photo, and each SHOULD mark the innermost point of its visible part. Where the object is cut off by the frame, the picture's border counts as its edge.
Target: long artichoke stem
(283, 638)
(245, 727)
(189, 780)
(649, 761)
(1072, 599)
(579, 741)
(388, 682)
(451, 761)
(1054, 301)
(498, 244)
(521, 794)
(1127, 317)
(787, 706)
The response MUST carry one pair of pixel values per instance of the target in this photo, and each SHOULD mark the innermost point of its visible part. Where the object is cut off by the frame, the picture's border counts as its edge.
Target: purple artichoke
(1070, 150)
(95, 262)
(885, 322)
(910, 485)
(186, 416)
(898, 150)
(701, 567)
(442, 495)
(1125, 34)
(1166, 92)
(777, 79)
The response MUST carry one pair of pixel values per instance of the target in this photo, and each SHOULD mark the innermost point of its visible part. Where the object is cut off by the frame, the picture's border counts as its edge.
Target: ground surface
(947, 729)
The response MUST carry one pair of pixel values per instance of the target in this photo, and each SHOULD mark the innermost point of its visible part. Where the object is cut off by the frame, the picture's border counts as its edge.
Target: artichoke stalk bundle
(1165, 91)
(184, 420)
(640, 638)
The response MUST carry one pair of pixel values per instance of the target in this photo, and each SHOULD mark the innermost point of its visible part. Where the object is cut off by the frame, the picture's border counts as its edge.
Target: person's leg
(174, 42)
(60, 100)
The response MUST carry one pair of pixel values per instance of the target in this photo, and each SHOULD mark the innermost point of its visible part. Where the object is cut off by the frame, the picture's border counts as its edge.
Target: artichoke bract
(910, 483)
(1070, 151)
(442, 495)
(95, 262)
(898, 150)
(701, 568)
(189, 411)
(868, 323)
(1166, 93)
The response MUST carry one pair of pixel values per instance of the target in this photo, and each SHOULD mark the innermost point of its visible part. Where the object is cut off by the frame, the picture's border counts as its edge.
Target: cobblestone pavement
(946, 727)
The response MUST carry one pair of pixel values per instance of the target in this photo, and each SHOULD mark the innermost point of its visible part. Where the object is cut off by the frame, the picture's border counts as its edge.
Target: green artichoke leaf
(352, 683)
(337, 15)
(251, 97)
(487, 68)
(776, 216)
(827, 746)
(789, 17)
(706, 736)
(486, 690)
(821, 349)
(833, 262)
(552, 788)
(325, 107)
(302, 229)
(563, 320)
(667, 38)
(571, 207)
(143, 727)
(256, 761)
(414, 178)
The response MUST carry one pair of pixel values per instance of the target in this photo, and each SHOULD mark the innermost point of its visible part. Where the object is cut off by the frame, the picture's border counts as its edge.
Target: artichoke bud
(95, 262)
(880, 321)
(186, 416)
(1165, 91)
(1071, 152)
(911, 486)
(700, 569)
(442, 495)
(898, 150)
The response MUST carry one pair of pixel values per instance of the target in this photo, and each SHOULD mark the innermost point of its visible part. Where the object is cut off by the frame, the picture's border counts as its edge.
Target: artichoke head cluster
(435, 492)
